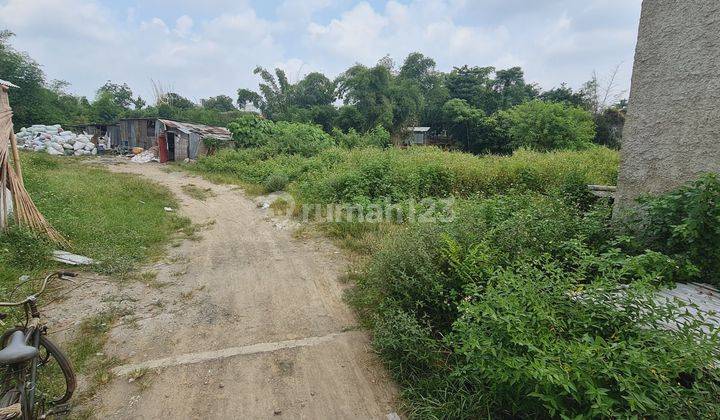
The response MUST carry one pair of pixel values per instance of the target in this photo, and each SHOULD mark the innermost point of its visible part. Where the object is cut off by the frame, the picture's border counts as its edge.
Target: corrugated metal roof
(703, 303)
(203, 131)
(6, 83)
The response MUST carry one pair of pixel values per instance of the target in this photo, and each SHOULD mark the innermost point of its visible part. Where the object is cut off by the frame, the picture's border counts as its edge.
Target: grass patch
(116, 219)
(198, 193)
(87, 355)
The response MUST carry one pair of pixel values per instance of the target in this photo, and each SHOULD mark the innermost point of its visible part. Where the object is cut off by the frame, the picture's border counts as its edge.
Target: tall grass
(370, 174)
(342, 175)
(116, 219)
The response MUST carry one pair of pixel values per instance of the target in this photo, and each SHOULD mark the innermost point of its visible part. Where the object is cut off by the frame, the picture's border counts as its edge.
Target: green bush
(685, 223)
(512, 310)
(275, 182)
(297, 138)
(533, 347)
(545, 126)
(401, 174)
(377, 137)
(250, 130)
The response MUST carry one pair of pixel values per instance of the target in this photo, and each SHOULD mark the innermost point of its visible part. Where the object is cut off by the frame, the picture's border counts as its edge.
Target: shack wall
(182, 141)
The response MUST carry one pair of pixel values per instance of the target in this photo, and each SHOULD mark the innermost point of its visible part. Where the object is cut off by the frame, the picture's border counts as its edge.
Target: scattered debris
(71, 259)
(168, 209)
(148, 155)
(53, 140)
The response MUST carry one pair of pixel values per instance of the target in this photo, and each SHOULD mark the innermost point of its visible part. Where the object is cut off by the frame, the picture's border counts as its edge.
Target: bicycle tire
(62, 361)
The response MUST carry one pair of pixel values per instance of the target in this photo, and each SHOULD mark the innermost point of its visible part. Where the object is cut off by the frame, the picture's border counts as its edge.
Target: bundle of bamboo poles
(11, 181)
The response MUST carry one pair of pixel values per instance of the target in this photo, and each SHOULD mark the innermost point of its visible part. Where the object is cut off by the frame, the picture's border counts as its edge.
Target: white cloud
(211, 47)
(183, 25)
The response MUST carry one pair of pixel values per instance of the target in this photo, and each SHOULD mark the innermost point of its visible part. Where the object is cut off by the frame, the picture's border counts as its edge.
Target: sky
(210, 47)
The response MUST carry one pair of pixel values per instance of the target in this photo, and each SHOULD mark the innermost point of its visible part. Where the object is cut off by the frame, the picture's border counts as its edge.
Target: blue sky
(210, 47)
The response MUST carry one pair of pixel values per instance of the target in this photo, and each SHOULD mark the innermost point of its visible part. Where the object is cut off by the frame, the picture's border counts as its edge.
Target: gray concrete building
(672, 133)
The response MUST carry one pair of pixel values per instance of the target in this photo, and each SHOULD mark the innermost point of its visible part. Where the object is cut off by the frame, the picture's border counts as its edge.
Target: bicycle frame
(33, 328)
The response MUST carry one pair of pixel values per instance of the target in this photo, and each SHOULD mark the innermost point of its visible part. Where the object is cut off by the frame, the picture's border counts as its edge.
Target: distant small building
(416, 136)
(424, 136)
(185, 140)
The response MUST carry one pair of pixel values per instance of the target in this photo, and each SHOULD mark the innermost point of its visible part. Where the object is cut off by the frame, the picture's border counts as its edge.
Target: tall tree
(419, 69)
(313, 90)
(511, 88)
(473, 85)
(246, 97)
(275, 91)
(464, 121)
(220, 103)
(368, 89)
(122, 95)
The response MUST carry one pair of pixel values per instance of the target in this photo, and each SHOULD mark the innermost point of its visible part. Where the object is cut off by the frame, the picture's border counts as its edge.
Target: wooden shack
(186, 140)
(136, 132)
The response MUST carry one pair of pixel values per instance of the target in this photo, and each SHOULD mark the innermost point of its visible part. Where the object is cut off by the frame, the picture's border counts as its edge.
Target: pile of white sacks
(55, 141)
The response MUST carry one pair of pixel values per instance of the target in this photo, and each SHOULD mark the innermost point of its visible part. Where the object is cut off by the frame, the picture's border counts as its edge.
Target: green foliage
(297, 138)
(276, 182)
(684, 223)
(513, 309)
(368, 90)
(250, 130)
(373, 174)
(23, 249)
(377, 137)
(535, 351)
(221, 103)
(116, 219)
(314, 89)
(547, 126)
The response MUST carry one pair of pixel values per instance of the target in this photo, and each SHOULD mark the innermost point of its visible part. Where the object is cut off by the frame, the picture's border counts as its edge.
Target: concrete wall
(672, 132)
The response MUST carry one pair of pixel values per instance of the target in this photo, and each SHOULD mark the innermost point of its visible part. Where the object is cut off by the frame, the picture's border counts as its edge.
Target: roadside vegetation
(528, 302)
(116, 219)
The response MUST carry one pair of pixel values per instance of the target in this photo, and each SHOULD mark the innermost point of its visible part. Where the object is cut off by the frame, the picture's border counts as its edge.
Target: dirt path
(247, 322)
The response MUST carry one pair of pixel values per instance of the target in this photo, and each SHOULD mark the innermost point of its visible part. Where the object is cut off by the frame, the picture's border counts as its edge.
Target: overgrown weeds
(116, 219)
(528, 305)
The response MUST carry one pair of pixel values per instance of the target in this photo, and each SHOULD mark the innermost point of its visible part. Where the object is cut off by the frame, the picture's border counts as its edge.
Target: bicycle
(38, 380)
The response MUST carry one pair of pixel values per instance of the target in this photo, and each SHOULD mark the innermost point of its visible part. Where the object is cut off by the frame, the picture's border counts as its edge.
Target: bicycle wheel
(55, 381)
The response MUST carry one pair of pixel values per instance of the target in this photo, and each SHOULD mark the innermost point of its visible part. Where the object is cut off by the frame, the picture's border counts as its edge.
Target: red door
(162, 148)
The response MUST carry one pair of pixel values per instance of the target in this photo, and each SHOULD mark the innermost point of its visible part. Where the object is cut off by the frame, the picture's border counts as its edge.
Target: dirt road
(246, 322)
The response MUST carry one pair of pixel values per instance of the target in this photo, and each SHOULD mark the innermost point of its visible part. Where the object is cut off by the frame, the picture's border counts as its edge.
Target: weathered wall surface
(672, 132)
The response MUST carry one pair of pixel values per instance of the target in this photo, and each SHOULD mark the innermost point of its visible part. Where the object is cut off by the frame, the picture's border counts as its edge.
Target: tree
(175, 100)
(368, 90)
(220, 103)
(313, 90)
(610, 125)
(565, 94)
(419, 69)
(545, 126)
(105, 109)
(473, 85)
(464, 121)
(511, 88)
(407, 103)
(275, 92)
(349, 117)
(122, 95)
(139, 103)
(246, 96)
